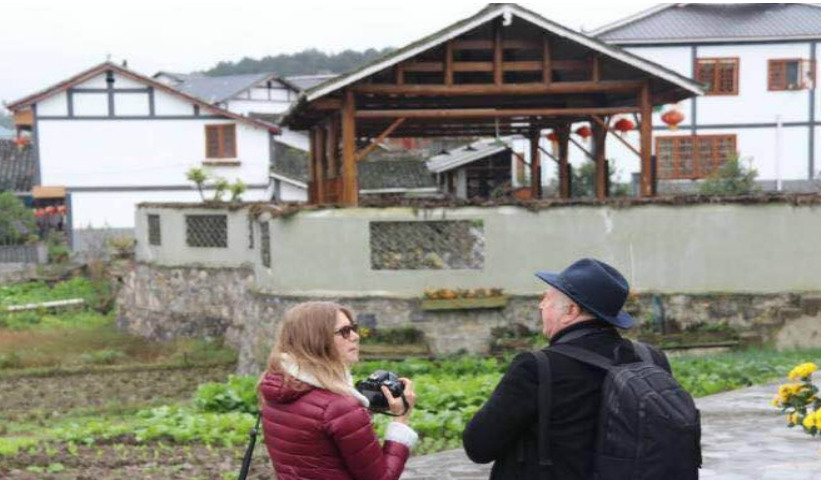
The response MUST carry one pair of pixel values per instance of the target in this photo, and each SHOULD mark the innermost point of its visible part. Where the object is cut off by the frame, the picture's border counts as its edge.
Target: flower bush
(800, 400)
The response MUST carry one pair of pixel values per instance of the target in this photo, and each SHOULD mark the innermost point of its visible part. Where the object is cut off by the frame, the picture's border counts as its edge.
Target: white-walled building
(110, 138)
(760, 65)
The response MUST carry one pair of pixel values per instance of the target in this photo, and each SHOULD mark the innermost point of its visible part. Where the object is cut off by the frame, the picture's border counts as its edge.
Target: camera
(371, 388)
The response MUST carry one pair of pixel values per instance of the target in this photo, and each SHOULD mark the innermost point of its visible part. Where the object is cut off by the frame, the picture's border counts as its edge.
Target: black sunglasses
(345, 330)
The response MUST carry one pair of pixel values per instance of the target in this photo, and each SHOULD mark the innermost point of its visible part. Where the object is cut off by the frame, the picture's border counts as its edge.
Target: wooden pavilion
(504, 71)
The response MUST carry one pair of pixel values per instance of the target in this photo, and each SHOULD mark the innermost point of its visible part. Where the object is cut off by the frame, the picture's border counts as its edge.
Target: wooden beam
(582, 149)
(607, 86)
(326, 104)
(348, 140)
(490, 112)
(619, 137)
(511, 44)
(382, 136)
(648, 178)
(546, 63)
(498, 57)
(423, 66)
(596, 68)
(536, 168)
(448, 74)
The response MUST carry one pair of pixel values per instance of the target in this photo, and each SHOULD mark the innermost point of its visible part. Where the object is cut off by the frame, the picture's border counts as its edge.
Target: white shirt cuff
(401, 433)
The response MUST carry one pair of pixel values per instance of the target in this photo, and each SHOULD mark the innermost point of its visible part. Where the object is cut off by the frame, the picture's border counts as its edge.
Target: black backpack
(648, 426)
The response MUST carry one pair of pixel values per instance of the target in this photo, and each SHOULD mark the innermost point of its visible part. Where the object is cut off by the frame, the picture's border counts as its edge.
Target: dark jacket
(504, 430)
(315, 434)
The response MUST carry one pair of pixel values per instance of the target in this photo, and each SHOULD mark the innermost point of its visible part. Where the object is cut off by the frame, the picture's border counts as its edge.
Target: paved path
(743, 438)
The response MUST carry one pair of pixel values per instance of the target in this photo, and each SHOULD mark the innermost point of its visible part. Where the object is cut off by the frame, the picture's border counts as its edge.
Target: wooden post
(312, 190)
(536, 170)
(546, 60)
(599, 138)
(333, 128)
(498, 77)
(647, 178)
(320, 157)
(400, 74)
(348, 154)
(448, 72)
(563, 133)
(596, 68)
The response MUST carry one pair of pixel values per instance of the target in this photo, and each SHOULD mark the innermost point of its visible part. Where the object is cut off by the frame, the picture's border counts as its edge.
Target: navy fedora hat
(597, 287)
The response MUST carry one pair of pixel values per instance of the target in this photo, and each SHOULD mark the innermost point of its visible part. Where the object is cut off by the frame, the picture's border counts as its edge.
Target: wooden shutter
(220, 141)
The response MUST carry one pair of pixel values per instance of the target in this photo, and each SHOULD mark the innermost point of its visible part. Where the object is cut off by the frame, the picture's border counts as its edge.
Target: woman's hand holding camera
(399, 407)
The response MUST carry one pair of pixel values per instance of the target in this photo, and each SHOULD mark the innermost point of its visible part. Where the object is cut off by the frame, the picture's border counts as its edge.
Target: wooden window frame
(218, 130)
(695, 151)
(801, 63)
(714, 89)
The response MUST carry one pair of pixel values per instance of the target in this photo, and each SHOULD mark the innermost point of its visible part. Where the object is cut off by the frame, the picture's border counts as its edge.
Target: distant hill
(308, 62)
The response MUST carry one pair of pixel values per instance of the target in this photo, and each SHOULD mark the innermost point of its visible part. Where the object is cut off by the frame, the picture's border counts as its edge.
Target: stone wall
(168, 302)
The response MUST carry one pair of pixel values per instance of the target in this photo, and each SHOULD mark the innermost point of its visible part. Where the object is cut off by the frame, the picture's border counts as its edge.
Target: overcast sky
(45, 41)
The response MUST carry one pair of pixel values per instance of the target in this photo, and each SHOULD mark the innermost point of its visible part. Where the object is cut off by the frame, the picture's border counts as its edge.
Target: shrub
(731, 178)
(17, 223)
(122, 246)
(239, 394)
(103, 357)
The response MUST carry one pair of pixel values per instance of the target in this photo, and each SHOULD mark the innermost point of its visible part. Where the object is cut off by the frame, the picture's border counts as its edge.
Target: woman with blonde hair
(315, 423)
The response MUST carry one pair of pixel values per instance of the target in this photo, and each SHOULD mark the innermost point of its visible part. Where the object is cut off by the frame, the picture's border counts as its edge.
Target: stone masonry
(199, 302)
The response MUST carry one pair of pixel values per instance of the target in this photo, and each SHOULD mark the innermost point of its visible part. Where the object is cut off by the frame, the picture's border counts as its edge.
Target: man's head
(593, 287)
(558, 311)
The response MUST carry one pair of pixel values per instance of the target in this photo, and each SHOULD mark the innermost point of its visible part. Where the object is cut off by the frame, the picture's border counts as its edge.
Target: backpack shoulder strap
(582, 355)
(543, 407)
(643, 351)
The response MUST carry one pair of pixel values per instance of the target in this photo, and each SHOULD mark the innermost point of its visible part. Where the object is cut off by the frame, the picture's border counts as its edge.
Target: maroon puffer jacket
(312, 433)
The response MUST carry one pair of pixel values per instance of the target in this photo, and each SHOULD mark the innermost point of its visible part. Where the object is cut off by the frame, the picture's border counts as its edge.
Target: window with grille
(207, 231)
(693, 156)
(718, 75)
(154, 229)
(427, 245)
(220, 141)
(265, 244)
(791, 74)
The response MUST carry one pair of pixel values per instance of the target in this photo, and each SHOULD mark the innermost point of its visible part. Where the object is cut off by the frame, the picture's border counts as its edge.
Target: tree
(306, 62)
(731, 178)
(199, 176)
(17, 223)
(583, 181)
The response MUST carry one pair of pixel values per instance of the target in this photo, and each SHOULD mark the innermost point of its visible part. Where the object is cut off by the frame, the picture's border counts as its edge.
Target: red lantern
(50, 210)
(39, 212)
(623, 125)
(584, 132)
(21, 142)
(672, 118)
(552, 136)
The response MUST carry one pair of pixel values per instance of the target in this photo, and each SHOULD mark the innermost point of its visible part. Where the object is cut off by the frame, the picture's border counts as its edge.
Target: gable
(716, 22)
(126, 94)
(478, 26)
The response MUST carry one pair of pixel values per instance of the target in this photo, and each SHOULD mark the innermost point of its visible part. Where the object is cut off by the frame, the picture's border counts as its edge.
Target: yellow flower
(810, 421)
(803, 370)
(777, 401)
(794, 418)
(364, 332)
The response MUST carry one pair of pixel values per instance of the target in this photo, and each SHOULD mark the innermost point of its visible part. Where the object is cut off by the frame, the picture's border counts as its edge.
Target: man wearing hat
(582, 306)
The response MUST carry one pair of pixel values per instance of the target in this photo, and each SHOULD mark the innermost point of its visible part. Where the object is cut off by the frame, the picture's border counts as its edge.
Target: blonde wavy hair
(307, 334)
